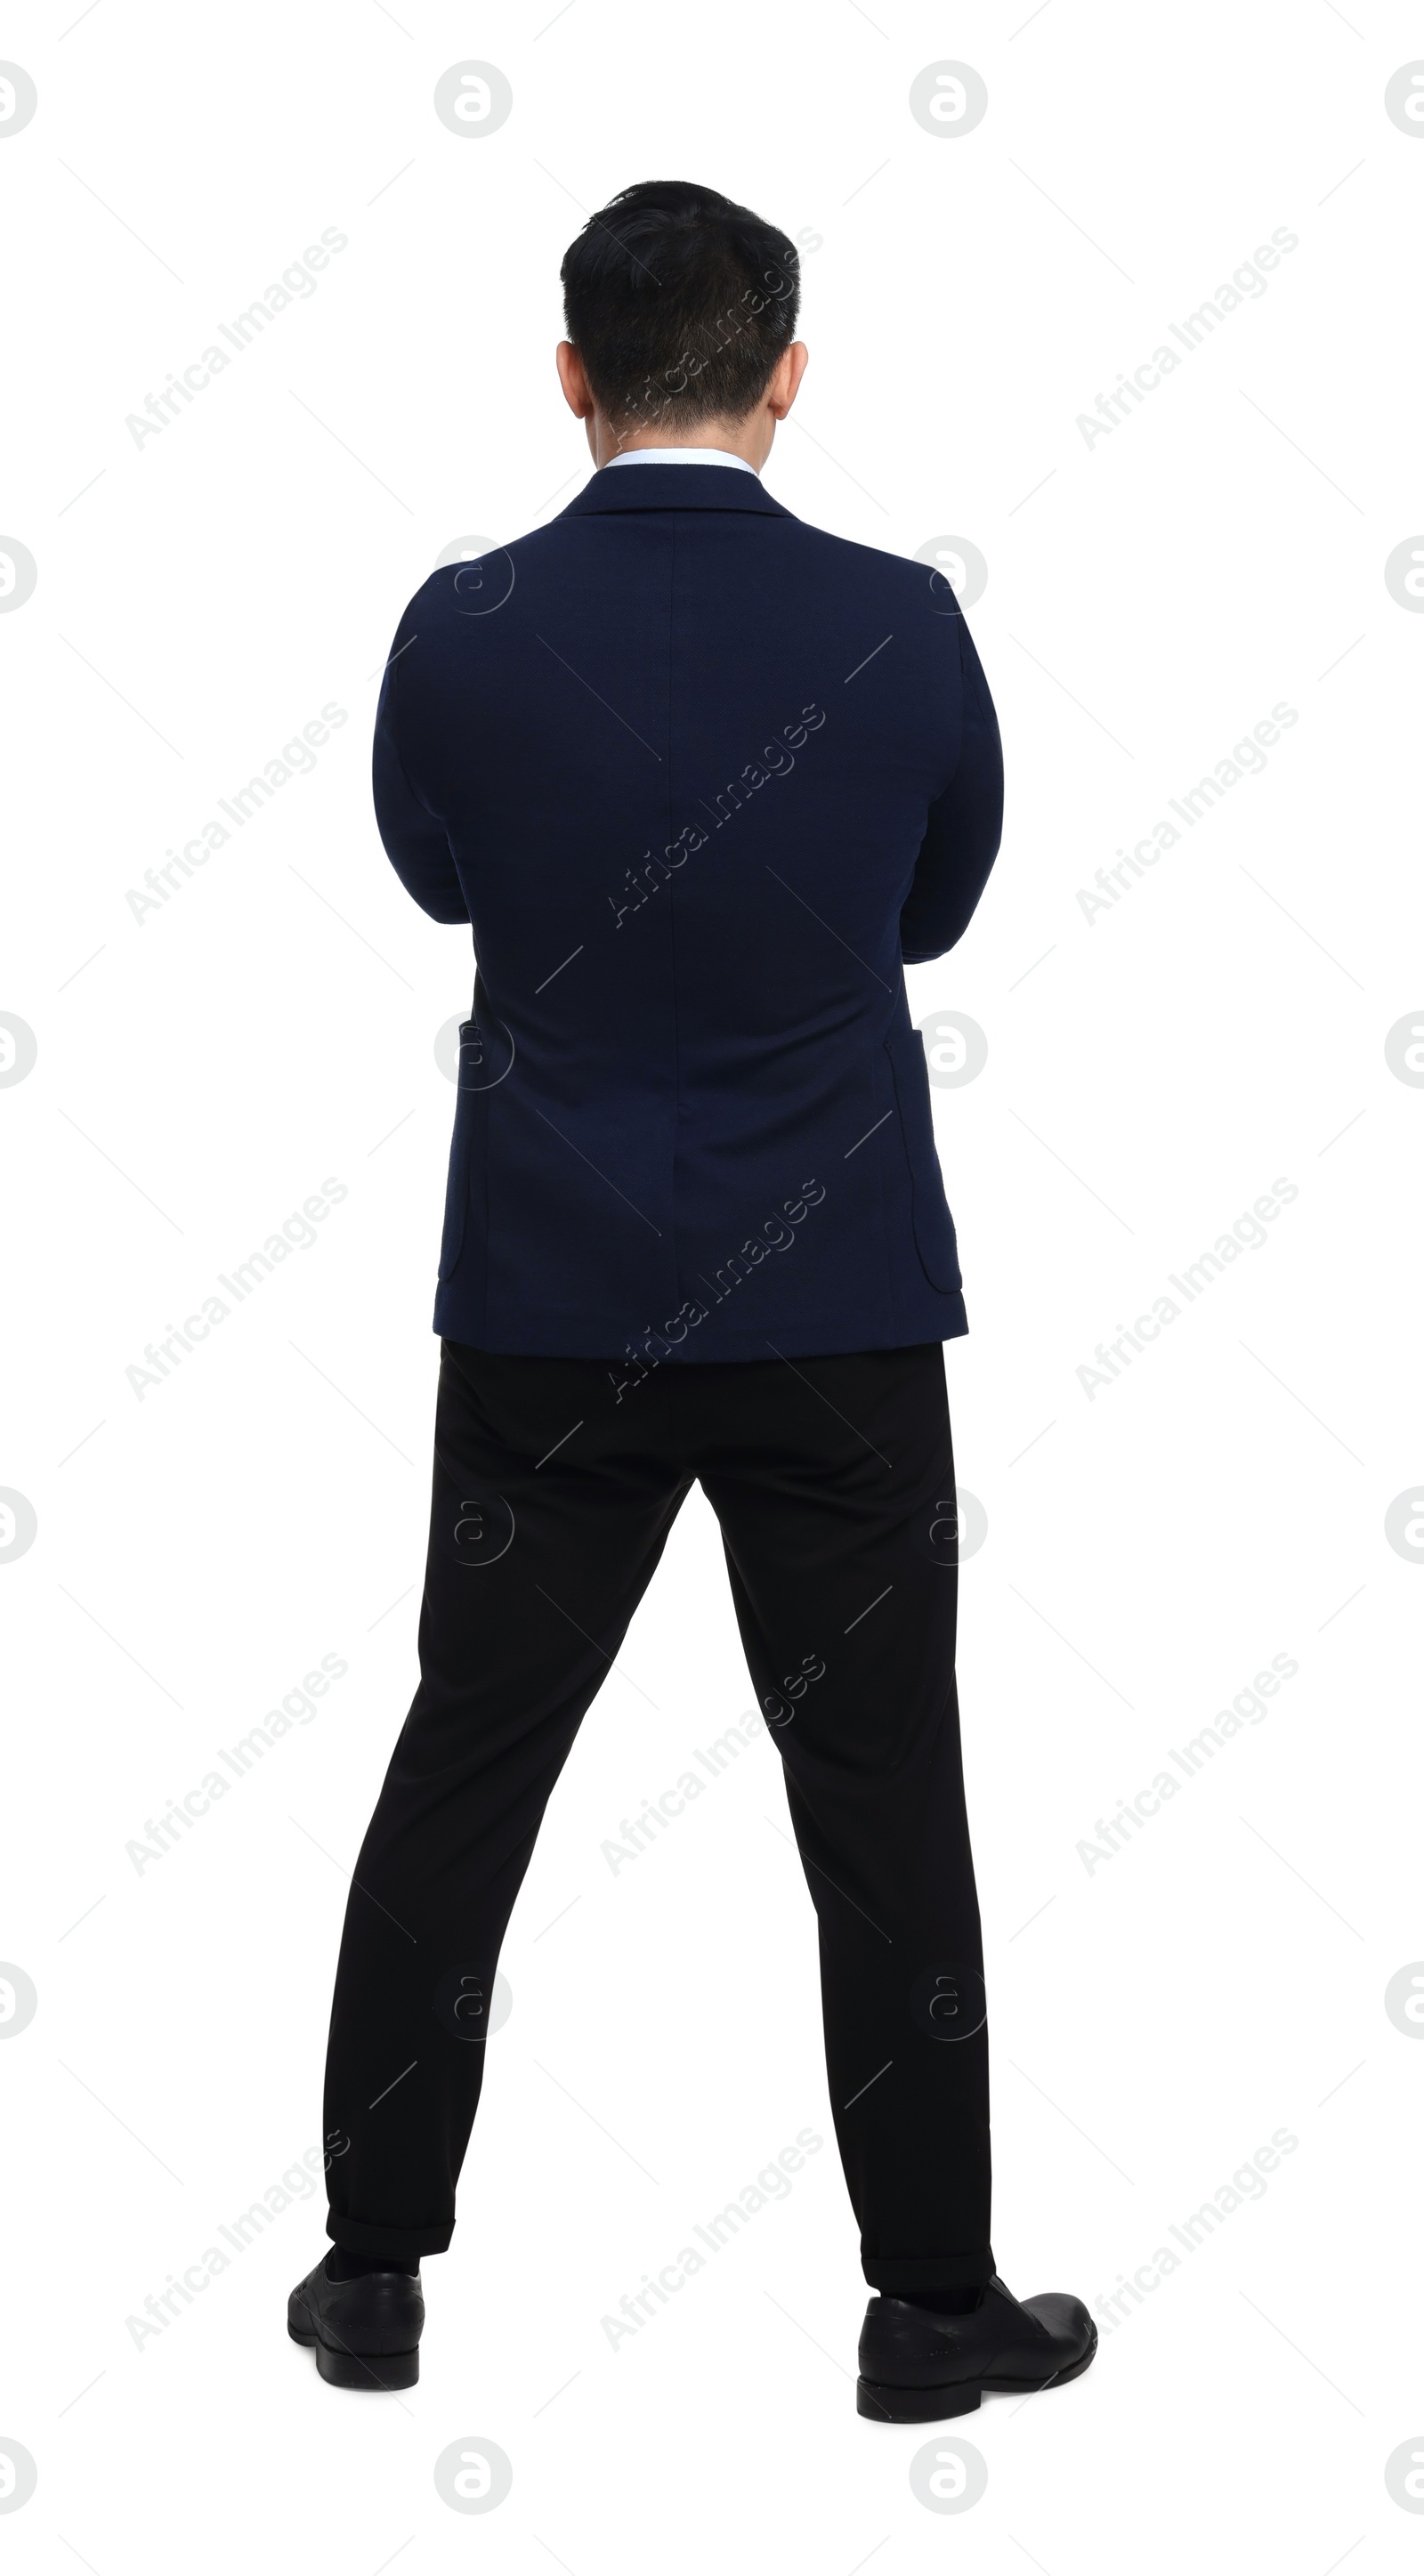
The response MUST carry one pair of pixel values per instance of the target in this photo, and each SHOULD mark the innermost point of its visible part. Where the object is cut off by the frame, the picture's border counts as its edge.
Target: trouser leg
(536, 1563)
(841, 1553)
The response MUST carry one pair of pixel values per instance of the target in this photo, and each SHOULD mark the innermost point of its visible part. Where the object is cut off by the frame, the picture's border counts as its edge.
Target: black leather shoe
(917, 2367)
(366, 2332)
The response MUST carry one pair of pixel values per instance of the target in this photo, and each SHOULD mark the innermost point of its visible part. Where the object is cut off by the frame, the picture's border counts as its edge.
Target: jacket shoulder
(476, 587)
(899, 576)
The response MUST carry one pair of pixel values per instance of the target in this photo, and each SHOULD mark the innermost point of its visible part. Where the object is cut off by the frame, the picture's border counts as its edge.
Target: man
(701, 779)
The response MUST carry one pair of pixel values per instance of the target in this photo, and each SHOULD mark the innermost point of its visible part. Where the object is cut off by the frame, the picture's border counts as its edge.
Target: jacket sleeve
(965, 824)
(415, 839)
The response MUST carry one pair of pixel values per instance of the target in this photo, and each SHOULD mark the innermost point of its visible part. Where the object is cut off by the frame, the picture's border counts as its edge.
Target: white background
(1150, 1073)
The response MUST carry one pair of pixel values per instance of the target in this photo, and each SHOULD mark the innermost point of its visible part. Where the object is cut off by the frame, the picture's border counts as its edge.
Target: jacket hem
(940, 1319)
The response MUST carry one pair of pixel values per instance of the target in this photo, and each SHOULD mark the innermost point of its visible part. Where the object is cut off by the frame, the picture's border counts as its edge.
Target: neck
(750, 439)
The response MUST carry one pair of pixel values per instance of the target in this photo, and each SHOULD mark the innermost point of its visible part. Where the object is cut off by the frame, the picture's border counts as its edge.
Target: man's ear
(574, 381)
(786, 378)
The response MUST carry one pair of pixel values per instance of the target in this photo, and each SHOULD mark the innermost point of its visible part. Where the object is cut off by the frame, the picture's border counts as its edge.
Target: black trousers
(556, 1482)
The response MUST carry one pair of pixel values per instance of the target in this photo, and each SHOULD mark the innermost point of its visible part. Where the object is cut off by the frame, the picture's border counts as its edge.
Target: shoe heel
(354, 2370)
(913, 2405)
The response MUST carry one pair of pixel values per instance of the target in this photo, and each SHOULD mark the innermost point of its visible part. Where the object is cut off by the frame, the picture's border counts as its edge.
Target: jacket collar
(674, 487)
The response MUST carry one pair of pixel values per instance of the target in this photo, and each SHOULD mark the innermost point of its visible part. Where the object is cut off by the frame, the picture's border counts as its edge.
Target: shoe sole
(346, 2369)
(884, 2405)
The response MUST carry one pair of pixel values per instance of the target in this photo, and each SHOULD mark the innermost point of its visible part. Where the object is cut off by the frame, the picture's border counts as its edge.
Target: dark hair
(679, 303)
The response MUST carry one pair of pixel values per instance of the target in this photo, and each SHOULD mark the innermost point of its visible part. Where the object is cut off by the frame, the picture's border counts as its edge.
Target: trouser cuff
(895, 2272)
(401, 2243)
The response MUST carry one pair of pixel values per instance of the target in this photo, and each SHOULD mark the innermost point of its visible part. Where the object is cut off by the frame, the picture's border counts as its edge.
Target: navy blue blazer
(700, 777)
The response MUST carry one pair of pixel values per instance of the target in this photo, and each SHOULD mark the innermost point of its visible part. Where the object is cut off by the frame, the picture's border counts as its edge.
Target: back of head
(679, 304)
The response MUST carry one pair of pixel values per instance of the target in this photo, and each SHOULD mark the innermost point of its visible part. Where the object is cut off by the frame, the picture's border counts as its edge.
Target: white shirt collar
(678, 456)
